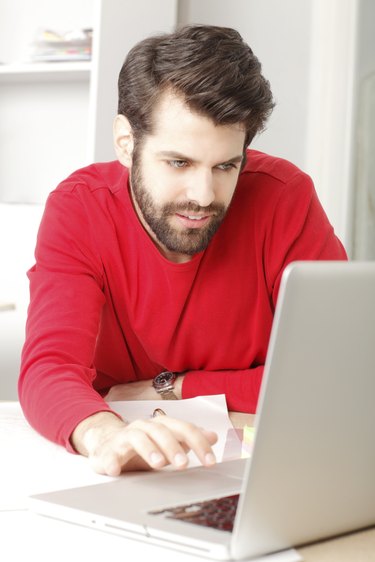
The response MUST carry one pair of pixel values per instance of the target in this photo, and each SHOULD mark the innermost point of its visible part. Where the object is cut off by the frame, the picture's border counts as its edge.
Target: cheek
(166, 187)
(166, 192)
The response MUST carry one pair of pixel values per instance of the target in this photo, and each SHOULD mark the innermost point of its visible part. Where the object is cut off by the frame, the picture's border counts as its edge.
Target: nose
(200, 188)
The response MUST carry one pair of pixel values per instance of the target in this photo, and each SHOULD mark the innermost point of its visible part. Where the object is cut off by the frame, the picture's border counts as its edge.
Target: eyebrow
(178, 156)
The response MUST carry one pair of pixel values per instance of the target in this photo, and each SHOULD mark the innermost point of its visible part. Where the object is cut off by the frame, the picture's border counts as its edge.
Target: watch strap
(168, 395)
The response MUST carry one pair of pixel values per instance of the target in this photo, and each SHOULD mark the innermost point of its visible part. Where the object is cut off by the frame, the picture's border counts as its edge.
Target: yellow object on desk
(247, 441)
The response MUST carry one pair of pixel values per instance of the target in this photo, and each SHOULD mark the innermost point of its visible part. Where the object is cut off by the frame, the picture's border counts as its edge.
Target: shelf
(45, 71)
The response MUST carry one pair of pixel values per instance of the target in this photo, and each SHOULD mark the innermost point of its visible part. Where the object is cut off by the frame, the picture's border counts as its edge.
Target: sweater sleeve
(296, 228)
(241, 388)
(66, 299)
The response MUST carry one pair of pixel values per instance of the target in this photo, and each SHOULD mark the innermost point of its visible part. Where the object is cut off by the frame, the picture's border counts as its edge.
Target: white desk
(30, 464)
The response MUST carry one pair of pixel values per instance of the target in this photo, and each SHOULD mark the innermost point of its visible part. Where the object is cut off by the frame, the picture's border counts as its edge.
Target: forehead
(176, 126)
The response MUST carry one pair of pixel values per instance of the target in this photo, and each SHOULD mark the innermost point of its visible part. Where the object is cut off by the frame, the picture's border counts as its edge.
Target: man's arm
(113, 445)
(140, 390)
(241, 388)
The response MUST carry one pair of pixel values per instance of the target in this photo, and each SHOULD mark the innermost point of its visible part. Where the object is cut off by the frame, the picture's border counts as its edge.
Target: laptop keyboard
(218, 513)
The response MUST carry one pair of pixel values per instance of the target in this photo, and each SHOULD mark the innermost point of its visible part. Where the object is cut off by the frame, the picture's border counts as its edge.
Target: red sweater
(106, 307)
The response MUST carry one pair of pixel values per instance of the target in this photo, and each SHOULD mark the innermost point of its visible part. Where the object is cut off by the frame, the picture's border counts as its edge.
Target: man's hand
(113, 446)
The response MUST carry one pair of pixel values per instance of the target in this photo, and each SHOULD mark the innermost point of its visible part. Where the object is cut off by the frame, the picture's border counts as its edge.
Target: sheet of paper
(34, 464)
(209, 412)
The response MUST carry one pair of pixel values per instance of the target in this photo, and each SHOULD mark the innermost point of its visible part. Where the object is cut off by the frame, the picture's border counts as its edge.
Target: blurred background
(59, 62)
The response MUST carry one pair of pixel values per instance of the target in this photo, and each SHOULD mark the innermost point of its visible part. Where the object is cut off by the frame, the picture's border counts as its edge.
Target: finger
(128, 448)
(211, 436)
(165, 442)
(198, 440)
(146, 443)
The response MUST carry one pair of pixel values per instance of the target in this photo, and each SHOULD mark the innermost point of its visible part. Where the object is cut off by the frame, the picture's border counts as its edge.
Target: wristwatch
(163, 383)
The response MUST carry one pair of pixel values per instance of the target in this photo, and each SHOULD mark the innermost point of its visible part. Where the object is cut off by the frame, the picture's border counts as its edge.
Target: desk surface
(32, 464)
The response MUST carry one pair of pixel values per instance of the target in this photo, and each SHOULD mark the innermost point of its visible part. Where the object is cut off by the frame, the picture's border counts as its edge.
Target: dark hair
(211, 68)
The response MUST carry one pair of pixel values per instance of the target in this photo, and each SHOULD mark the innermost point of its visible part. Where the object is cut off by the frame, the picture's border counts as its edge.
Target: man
(168, 259)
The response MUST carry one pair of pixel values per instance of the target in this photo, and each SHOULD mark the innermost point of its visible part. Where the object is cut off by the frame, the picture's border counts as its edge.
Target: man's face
(183, 178)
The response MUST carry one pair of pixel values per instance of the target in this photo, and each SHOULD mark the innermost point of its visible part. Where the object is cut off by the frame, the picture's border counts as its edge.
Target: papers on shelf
(54, 46)
(7, 305)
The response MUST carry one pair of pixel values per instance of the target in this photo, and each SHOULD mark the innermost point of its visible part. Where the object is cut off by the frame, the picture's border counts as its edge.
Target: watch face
(164, 381)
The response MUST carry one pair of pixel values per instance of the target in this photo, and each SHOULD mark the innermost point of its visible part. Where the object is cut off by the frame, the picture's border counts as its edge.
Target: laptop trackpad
(224, 478)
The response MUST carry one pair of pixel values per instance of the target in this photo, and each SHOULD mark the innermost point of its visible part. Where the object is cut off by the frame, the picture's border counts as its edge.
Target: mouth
(193, 221)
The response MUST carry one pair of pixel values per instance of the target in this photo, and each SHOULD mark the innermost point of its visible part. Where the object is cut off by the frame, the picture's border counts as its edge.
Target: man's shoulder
(109, 176)
(271, 167)
(266, 180)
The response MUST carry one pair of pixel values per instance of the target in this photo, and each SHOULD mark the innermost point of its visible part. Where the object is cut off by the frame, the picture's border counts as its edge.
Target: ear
(123, 140)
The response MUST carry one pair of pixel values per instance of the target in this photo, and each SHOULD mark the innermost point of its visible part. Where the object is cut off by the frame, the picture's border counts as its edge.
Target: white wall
(128, 22)
(308, 50)
(363, 201)
(279, 34)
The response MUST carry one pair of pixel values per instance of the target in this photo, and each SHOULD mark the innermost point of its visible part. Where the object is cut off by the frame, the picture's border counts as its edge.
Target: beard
(187, 241)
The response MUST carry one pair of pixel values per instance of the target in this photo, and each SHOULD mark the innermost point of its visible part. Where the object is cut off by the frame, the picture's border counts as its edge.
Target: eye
(227, 166)
(177, 163)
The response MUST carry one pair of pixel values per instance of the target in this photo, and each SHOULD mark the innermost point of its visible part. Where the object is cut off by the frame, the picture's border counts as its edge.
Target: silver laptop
(311, 474)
